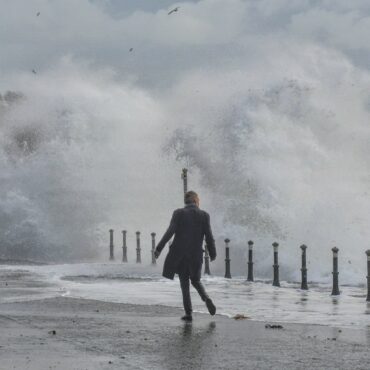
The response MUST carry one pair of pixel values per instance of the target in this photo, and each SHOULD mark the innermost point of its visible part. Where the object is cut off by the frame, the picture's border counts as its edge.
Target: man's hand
(156, 254)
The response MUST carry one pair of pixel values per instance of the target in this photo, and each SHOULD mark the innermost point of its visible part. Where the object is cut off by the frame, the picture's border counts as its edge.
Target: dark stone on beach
(53, 332)
(240, 317)
(110, 362)
(97, 311)
(128, 331)
(273, 326)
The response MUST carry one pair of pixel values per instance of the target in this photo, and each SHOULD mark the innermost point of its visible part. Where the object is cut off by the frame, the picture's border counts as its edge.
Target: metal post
(138, 250)
(206, 261)
(304, 285)
(335, 290)
(154, 262)
(184, 177)
(368, 275)
(124, 246)
(250, 261)
(276, 265)
(227, 259)
(111, 246)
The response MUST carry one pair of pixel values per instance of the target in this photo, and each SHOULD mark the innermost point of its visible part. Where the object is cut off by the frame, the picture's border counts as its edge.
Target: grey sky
(203, 34)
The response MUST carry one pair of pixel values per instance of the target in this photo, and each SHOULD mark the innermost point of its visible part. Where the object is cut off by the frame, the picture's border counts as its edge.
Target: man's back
(190, 229)
(190, 225)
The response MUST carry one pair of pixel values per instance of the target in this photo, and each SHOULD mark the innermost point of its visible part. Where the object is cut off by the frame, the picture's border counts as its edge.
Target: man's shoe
(187, 318)
(211, 307)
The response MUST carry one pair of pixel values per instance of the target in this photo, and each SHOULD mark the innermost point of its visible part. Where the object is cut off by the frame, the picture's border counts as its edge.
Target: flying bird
(174, 10)
(131, 49)
(34, 72)
(38, 13)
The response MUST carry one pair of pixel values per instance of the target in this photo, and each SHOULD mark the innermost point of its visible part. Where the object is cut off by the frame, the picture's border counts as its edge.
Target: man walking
(190, 225)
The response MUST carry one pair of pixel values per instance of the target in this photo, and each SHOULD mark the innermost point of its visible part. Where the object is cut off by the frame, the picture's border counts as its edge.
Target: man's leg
(185, 289)
(200, 289)
(203, 295)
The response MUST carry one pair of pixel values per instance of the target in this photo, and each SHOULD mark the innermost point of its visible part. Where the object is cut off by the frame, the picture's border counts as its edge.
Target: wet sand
(99, 335)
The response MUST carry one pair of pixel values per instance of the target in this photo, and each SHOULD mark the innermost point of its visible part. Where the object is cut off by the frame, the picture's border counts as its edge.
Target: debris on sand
(273, 326)
(240, 316)
(53, 332)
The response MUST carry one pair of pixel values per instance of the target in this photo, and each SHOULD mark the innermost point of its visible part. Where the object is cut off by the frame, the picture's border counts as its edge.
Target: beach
(70, 333)
(79, 316)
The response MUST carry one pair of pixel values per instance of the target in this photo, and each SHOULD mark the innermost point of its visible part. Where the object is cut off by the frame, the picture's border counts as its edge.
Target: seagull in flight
(131, 49)
(34, 72)
(38, 13)
(174, 10)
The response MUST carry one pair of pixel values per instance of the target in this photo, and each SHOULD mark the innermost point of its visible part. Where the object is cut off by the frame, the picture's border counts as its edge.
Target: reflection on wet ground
(190, 342)
(367, 310)
(187, 330)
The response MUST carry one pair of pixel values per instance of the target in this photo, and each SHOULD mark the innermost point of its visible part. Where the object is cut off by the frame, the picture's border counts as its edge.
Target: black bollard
(276, 265)
(111, 246)
(335, 290)
(368, 275)
(154, 261)
(227, 260)
(207, 271)
(304, 285)
(250, 261)
(138, 250)
(184, 177)
(124, 246)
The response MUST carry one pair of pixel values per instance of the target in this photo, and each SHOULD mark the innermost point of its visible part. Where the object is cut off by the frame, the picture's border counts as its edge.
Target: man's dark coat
(189, 225)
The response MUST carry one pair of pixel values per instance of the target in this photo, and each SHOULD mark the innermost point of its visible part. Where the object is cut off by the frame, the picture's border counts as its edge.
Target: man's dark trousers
(185, 278)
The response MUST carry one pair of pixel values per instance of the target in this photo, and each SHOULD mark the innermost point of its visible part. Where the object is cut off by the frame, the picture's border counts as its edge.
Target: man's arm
(209, 238)
(167, 235)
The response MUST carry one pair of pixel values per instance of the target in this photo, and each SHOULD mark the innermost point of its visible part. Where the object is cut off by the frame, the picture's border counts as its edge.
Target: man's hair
(190, 197)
